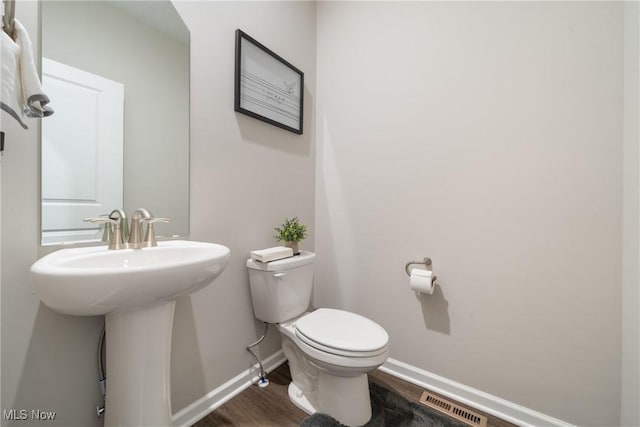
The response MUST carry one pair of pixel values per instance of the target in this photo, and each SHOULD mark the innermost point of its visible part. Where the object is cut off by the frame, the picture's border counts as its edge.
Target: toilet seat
(342, 333)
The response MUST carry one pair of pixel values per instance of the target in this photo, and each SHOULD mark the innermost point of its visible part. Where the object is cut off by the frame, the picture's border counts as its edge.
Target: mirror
(117, 74)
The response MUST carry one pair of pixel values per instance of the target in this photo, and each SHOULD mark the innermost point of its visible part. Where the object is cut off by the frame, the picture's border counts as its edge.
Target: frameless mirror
(117, 74)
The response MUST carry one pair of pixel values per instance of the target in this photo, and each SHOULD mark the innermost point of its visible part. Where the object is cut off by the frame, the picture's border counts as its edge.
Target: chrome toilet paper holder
(427, 263)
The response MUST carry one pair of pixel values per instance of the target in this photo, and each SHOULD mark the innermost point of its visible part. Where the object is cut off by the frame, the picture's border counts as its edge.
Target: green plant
(291, 231)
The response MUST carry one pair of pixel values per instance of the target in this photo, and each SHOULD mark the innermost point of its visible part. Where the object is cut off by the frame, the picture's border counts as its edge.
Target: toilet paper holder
(427, 263)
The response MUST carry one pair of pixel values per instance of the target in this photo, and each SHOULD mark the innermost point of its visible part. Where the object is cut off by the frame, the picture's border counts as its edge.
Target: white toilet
(330, 351)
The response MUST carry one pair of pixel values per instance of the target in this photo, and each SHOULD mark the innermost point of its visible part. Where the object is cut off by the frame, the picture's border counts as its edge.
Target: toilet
(330, 351)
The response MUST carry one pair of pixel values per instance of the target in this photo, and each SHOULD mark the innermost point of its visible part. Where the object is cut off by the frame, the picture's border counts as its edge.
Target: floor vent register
(451, 409)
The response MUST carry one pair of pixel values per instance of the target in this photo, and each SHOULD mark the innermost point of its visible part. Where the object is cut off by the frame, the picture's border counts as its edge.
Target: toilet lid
(328, 329)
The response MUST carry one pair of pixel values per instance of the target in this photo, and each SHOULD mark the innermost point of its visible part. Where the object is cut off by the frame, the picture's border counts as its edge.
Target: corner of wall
(630, 366)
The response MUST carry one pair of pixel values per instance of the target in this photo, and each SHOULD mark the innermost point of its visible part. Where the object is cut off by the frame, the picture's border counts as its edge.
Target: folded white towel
(272, 254)
(35, 101)
(21, 93)
(11, 93)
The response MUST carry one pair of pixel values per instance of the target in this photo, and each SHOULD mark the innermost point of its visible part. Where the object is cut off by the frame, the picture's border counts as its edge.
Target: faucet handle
(100, 220)
(150, 237)
(116, 241)
(108, 230)
(152, 220)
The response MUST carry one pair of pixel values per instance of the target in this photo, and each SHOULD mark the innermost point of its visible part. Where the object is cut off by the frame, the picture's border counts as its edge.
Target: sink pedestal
(136, 290)
(138, 366)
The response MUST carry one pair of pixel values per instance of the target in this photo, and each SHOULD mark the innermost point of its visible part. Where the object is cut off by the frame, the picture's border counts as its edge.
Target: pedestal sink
(136, 290)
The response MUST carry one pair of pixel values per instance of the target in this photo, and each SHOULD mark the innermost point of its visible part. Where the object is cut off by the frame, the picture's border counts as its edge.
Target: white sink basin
(95, 281)
(136, 290)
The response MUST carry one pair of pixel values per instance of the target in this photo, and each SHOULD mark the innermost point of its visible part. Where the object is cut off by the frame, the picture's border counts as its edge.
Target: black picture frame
(267, 87)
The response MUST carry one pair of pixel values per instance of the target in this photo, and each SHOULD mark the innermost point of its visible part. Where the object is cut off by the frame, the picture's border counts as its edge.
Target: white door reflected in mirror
(83, 147)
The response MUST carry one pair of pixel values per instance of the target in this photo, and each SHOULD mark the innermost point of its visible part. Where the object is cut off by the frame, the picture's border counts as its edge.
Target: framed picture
(267, 87)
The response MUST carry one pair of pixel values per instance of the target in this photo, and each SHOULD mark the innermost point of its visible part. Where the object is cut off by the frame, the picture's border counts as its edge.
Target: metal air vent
(454, 411)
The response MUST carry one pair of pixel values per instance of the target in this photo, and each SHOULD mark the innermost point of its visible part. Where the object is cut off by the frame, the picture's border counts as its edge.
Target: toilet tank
(281, 290)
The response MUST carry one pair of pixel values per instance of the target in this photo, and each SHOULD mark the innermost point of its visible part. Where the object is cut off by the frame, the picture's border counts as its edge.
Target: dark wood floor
(270, 406)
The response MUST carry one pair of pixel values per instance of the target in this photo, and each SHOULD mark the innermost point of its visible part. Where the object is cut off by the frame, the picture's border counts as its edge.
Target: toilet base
(345, 398)
(354, 411)
(297, 397)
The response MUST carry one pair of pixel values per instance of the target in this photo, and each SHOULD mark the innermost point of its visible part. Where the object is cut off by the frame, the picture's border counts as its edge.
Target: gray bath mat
(390, 410)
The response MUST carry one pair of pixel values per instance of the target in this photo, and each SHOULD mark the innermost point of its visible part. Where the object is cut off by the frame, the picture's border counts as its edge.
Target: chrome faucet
(118, 214)
(135, 237)
(119, 234)
(150, 236)
(116, 242)
(120, 229)
(139, 216)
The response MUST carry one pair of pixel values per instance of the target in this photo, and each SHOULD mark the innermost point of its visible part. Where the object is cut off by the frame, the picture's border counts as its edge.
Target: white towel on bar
(11, 93)
(21, 94)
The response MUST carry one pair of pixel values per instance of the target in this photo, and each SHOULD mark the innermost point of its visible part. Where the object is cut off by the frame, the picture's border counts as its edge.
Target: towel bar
(8, 12)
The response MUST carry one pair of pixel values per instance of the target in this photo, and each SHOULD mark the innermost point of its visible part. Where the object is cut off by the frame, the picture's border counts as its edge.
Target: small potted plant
(291, 232)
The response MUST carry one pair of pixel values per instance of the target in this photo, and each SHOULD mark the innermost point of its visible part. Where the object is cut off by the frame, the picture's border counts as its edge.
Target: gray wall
(48, 359)
(487, 136)
(630, 414)
(246, 177)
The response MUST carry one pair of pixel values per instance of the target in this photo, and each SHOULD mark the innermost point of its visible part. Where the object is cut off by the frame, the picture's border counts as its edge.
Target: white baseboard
(477, 399)
(219, 396)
